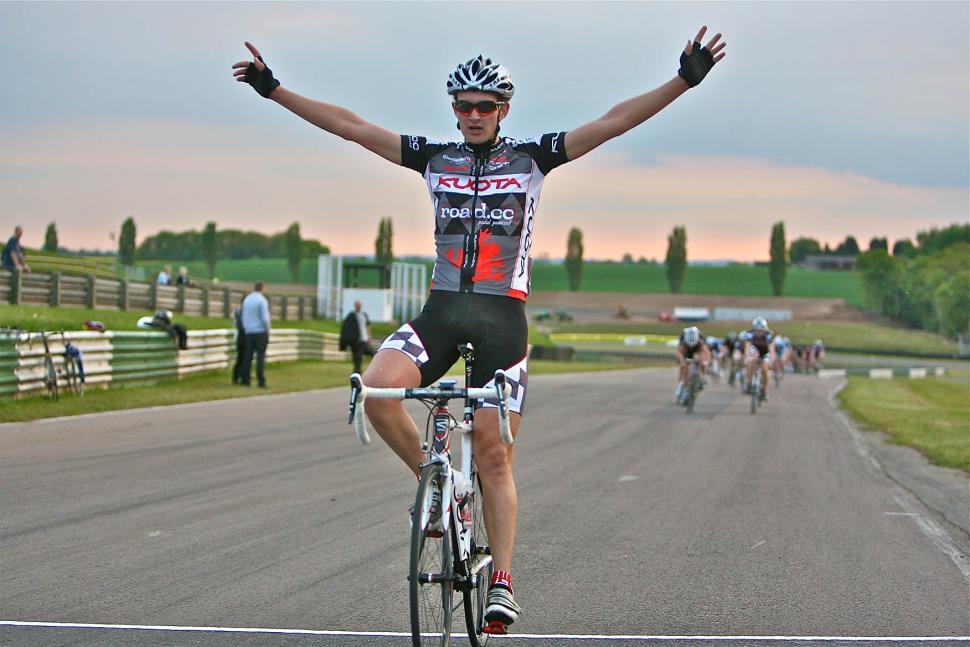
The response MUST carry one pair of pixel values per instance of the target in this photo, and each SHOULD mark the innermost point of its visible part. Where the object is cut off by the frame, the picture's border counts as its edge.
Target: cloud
(175, 175)
(728, 205)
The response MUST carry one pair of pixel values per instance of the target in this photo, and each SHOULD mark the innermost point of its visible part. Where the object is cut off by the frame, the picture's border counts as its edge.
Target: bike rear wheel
(431, 576)
(50, 378)
(480, 560)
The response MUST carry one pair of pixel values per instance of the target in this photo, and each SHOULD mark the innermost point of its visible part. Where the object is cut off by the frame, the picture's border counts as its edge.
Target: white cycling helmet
(482, 74)
(759, 323)
(145, 323)
(691, 336)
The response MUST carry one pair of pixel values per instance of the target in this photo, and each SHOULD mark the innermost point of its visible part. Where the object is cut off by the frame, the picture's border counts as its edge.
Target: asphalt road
(635, 520)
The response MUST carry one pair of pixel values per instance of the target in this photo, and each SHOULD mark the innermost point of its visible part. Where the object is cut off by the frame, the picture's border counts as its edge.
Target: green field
(269, 270)
(740, 280)
(930, 415)
(854, 335)
(37, 318)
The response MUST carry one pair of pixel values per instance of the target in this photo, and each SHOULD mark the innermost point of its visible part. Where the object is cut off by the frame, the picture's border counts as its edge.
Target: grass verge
(859, 335)
(282, 377)
(930, 415)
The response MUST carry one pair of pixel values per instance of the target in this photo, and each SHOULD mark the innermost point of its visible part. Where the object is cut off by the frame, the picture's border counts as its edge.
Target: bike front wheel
(74, 384)
(431, 576)
(480, 567)
(692, 386)
(755, 393)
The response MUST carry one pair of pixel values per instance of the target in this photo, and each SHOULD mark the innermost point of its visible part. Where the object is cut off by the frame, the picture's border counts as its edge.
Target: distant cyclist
(759, 352)
(485, 189)
(716, 345)
(816, 355)
(782, 353)
(690, 346)
(730, 364)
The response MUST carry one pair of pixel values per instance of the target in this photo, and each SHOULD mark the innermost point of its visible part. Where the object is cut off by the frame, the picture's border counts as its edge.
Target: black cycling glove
(262, 81)
(695, 67)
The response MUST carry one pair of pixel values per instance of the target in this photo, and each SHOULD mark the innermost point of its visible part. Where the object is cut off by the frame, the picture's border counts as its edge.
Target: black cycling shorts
(494, 325)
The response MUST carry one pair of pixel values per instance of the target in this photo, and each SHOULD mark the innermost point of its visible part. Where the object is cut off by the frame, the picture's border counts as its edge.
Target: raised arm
(695, 62)
(331, 118)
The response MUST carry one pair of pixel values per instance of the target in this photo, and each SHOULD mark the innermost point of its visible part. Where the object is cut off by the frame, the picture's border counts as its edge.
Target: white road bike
(449, 545)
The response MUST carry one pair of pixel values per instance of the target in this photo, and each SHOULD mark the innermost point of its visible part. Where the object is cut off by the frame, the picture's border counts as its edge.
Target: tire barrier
(124, 357)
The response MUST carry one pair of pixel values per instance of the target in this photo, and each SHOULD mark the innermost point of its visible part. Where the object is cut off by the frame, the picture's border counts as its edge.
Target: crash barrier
(124, 357)
(560, 353)
(912, 372)
(66, 290)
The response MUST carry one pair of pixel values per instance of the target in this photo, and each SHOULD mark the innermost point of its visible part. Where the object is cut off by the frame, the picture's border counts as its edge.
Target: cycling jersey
(764, 344)
(484, 208)
(689, 352)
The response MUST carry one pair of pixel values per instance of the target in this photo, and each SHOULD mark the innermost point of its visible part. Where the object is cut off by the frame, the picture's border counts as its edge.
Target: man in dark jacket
(355, 335)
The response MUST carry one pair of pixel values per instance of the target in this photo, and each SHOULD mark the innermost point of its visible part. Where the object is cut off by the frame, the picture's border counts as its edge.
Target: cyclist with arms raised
(484, 189)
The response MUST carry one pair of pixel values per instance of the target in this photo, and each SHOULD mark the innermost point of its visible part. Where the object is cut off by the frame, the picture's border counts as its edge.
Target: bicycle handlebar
(358, 393)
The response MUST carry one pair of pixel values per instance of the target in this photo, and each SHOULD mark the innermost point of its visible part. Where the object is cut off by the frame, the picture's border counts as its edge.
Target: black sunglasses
(484, 108)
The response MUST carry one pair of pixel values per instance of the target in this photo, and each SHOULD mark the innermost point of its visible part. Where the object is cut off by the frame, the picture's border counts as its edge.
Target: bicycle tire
(474, 598)
(71, 376)
(755, 390)
(692, 381)
(50, 378)
(431, 603)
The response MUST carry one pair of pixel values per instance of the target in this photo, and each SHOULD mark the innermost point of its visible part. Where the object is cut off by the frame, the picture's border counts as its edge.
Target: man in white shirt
(256, 323)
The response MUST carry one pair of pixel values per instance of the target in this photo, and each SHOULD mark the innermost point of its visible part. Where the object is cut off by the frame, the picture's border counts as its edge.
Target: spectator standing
(240, 343)
(256, 323)
(13, 253)
(165, 276)
(355, 335)
(183, 277)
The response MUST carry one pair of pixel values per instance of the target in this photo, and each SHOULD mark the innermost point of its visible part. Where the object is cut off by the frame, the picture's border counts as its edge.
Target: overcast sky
(837, 118)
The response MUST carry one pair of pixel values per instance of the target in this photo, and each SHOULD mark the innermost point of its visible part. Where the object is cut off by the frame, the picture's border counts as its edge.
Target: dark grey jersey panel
(484, 208)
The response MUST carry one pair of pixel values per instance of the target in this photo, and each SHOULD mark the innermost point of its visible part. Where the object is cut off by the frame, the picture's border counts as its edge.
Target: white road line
(904, 499)
(398, 634)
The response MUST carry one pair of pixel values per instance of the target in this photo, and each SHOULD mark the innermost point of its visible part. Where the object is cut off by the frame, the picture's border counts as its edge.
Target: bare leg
(499, 501)
(393, 369)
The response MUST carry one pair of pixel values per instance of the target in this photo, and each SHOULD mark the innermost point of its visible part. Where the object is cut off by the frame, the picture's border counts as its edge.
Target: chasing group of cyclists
(739, 355)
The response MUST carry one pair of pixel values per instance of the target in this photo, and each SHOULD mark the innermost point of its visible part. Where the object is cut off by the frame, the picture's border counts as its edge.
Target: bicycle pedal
(496, 628)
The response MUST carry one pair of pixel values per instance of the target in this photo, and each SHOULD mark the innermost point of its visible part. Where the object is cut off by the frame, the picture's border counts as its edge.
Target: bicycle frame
(457, 530)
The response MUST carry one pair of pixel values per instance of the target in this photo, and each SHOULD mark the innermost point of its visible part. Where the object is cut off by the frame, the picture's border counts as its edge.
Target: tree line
(926, 285)
(209, 245)
(676, 259)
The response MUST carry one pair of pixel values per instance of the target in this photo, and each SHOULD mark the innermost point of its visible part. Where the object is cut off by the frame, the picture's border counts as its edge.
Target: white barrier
(831, 372)
(881, 373)
(917, 372)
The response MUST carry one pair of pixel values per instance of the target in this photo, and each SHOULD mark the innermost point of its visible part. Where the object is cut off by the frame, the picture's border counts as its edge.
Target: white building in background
(399, 295)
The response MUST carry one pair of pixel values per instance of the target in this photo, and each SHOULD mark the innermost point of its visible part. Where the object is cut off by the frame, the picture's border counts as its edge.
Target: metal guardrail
(124, 357)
